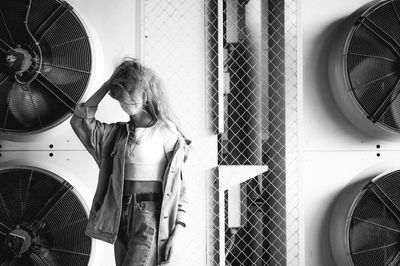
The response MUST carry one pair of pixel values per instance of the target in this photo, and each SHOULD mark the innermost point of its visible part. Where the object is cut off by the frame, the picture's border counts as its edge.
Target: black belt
(139, 197)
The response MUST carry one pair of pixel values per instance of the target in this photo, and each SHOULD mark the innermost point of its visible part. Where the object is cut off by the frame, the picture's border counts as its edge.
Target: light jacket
(107, 144)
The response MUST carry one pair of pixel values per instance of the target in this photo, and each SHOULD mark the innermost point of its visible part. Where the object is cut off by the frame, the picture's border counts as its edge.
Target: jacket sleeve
(91, 132)
(183, 201)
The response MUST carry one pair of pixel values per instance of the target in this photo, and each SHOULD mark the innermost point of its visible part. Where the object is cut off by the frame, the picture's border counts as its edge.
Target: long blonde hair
(130, 75)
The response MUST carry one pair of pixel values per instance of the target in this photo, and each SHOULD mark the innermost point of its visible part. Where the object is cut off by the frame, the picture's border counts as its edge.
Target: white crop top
(146, 155)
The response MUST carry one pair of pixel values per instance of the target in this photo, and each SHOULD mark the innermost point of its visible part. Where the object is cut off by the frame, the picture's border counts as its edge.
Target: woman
(140, 200)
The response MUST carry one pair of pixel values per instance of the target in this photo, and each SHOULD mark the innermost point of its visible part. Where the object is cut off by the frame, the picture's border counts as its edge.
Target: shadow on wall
(324, 241)
(323, 92)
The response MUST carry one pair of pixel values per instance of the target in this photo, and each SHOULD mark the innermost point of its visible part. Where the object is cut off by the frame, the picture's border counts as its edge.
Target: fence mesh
(250, 60)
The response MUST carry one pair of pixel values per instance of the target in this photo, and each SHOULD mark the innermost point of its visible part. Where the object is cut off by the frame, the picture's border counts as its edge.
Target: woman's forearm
(96, 98)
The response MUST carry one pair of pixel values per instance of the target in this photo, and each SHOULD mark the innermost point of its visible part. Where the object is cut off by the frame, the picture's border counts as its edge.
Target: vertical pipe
(253, 39)
(244, 123)
(212, 59)
(221, 74)
(275, 181)
(244, 132)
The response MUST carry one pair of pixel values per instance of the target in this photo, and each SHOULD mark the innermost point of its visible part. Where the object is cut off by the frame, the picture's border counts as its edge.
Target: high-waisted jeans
(136, 243)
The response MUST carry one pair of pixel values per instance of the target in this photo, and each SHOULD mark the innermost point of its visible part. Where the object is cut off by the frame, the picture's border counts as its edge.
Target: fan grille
(374, 231)
(46, 207)
(373, 64)
(36, 102)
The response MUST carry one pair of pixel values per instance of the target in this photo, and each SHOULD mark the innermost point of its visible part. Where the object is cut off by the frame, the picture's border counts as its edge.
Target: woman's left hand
(172, 242)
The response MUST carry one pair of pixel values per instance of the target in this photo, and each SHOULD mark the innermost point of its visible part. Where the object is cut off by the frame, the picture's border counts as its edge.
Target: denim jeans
(136, 243)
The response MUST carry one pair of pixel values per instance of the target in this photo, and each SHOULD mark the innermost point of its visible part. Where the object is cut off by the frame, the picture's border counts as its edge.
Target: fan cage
(373, 225)
(382, 108)
(63, 215)
(65, 74)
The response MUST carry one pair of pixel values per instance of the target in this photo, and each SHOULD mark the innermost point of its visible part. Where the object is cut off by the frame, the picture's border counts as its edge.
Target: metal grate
(251, 83)
(42, 220)
(371, 58)
(50, 40)
(374, 223)
(259, 126)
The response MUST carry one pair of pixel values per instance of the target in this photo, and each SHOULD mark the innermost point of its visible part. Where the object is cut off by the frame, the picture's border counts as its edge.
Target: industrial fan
(42, 220)
(368, 223)
(45, 64)
(364, 68)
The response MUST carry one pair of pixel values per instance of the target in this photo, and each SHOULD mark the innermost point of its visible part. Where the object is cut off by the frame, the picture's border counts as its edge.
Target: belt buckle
(128, 198)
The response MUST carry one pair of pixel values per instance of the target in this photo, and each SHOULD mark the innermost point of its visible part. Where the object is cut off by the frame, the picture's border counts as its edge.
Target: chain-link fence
(258, 47)
(243, 54)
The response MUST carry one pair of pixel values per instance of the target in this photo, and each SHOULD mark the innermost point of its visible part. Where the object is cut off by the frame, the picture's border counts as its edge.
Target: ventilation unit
(365, 227)
(46, 64)
(364, 68)
(42, 220)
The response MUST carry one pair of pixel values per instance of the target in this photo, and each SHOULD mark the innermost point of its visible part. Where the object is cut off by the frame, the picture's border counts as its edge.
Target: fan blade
(56, 91)
(3, 78)
(40, 189)
(12, 19)
(366, 70)
(386, 201)
(4, 229)
(396, 260)
(51, 203)
(59, 257)
(23, 105)
(14, 186)
(23, 193)
(24, 197)
(387, 104)
(45, 258)
(5, 213)
(391, 118)
(63, 220)
(380, 34)
(380, 256)
(388, 186)
(71, 258)
(4, 47)
(57, 215)
(389, 25)
(365, 43)
(374, 224)
(51, 20)
(5, 33)
(58, 39)
(367, 235)
(64, 238)
(62, 75)
(5, 86)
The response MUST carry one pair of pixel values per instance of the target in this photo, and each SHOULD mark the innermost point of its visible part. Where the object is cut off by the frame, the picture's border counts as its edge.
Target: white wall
(174, 45)
(334, 151)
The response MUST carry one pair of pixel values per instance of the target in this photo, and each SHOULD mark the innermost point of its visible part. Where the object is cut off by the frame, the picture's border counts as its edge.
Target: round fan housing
(364, 68)
(42, 220)
(46, 64)
(365, 228)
